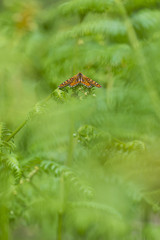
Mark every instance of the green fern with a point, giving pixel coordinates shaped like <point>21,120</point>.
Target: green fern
<point>75,138</point>
<point>146,19</point>
<point>69,174</point>
<point>135,145</point>
<point>96,207</point>
<point>4,134</point>
<point>11,165</point>
<point>83,7</point>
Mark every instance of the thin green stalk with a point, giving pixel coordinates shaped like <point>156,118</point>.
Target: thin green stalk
<point>25,122</point>
<point>61,210</point>
<point>59,230</point>
<point>17,130</point>
<point>4,224</point>
<point>71,142</point>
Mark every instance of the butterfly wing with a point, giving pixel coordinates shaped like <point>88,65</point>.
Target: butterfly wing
<point>85,82</point>
<point>75,81</point>
<point>71,82</point>
<point>66,83</point>
<point>89,82</point>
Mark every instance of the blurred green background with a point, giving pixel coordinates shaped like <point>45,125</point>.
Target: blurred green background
<point>79,163</point>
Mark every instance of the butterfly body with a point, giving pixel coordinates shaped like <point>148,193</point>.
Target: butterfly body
<point>79,79</point>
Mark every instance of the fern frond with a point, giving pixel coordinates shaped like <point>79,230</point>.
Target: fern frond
<point>105,27</point>
<point>118,53</point>
<point>134,6</point>
<point>135,145</point>
<point>12,164</point>
<point>4,131</point>
<point>97,207</point>
<point>83,7</point>
<point>146,19</point>
<point>4,134</point>
<point>111,27</point>
<point>68,174</point>
<point>152,198</point>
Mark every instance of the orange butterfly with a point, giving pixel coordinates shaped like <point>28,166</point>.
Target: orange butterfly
<point>79,79</point>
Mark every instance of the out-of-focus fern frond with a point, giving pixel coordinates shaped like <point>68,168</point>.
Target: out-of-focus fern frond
<point>96,207</point>
<point>135,145</point>
<point>112,27</point>
<point>146,19</point>
<point>83,7</point>
<point>11,164</point>
<point>68,174</point>
<point>4,133</point>
<point>135,5</point>
<point>106,27</point>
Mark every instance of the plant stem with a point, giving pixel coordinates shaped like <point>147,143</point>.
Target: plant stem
<point>17,130</point>
<point>59,230</point>
<point>61,210</point>
<point>4,225</point>
<point>25,122</point>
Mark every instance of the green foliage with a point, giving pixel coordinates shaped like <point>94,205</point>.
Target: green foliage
<point>67,173</point>
<point>4,133</point>
<point>11,165</point>
<point>80,163</point>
